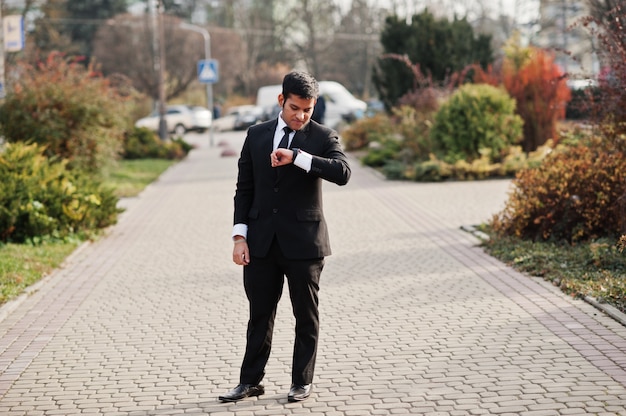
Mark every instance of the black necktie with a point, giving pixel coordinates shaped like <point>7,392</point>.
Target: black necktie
<point>284,142</point>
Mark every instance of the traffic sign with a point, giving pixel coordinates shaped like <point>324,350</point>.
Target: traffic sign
<point>208,71</point>
<point>13,28</point>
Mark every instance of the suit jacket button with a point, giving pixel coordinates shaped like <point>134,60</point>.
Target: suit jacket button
<point>275,189</point>
<point>275,210</point>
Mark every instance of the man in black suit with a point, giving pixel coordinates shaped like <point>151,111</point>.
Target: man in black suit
<point>280,230</point>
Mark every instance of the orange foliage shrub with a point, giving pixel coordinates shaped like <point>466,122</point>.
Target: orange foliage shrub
<point>539,88</point>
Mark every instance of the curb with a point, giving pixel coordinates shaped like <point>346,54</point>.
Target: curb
<point>611,311</point>
<point>599,304</point>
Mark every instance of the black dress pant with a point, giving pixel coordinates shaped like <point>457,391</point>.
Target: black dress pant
<point>263,282</point>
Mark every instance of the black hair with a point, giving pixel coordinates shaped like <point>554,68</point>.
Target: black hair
<point>301,84</point>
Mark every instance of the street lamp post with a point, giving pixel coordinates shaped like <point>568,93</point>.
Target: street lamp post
<point>161,74</point>
<point>207,56</point>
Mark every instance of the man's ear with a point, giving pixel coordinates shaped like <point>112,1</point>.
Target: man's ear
<point>281,100</point>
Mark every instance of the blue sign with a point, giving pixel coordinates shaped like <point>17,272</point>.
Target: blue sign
<point>208,71</point>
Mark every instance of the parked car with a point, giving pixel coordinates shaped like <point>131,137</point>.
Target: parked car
<point>179,119</point>
<point>239,118</point>
<point>247,115</point>
<point>341,105</point>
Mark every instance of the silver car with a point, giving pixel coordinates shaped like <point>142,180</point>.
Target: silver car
<point>239,118</point>
<point>179,119</point>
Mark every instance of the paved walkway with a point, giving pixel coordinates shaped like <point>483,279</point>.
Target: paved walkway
<point>416,319</point>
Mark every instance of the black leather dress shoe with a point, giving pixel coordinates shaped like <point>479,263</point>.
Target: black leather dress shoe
<point>299,392</point>
<point>242,391</point>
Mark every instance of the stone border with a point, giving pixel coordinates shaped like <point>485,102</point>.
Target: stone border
<point>602,306</point>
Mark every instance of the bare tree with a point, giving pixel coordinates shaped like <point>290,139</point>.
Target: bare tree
<point>609,13</point>
<point>48,34</point>
<point>313,23</point>
<point>261,35</point>
<point>229,49</point>
<point>602,9</point>
<point>311,34</point>
<point>124,45</point>
<point>606,25</point>
<point>561,32</point>
<point>354,48</point>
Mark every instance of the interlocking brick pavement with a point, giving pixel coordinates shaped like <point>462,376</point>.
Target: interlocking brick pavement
<point>415,318</point>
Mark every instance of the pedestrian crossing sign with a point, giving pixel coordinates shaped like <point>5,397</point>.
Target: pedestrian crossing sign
<point>208,71</point>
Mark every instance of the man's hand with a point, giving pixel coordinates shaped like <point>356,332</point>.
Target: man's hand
<point>241,254</point>
<point>281,157</point>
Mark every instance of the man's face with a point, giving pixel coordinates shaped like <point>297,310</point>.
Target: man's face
<point>297,111</point>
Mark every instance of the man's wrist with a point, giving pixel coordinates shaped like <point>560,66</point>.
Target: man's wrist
<point>296,151</point>
<point>239,239</point>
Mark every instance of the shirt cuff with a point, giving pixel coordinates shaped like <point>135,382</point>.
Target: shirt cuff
<point>240,229</point>
<point>303,160</point>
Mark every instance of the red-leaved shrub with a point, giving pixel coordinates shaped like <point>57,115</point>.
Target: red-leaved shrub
<point>538,85</point>
<point>576,194</point>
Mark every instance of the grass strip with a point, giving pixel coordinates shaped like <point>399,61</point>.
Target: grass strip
<point>130,177</point>
<point>22,265</point>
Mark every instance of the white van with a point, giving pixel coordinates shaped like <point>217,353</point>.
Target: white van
<point>340,103</point>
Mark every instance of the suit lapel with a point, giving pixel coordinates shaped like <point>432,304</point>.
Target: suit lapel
<point>268,138</point>
<point>300,137</point>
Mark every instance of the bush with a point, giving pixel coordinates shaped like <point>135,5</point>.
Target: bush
<point>476,117</point>
<point>69,109</point>
<point>381,152</point>
<point>365,131</point>
<point>576,194</point>
<point>141,143</point>
<point>40,197</point>
<point>414,125</point>
<point>581,105</point>
<point>394,170</point>
<point>431,171</point>
<point>405,150</point>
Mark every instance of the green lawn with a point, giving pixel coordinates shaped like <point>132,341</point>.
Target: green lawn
<point>130,177</point>
<point>22,265</point>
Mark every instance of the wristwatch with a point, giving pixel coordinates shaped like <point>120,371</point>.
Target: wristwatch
<point>295,154</point>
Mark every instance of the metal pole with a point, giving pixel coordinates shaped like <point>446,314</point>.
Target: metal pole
<point>207,56</point>
<point>161,60</point>
<point>2,85</point>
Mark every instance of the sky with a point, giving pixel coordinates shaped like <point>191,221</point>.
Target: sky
<point>521,10</point>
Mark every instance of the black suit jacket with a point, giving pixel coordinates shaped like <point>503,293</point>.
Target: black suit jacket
<point>286,202</point>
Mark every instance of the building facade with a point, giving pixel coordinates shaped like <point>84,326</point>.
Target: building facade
<point>561,31</point>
